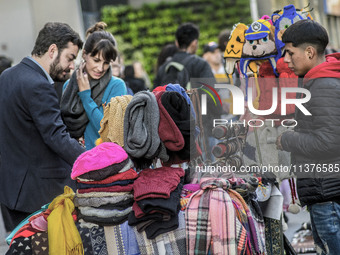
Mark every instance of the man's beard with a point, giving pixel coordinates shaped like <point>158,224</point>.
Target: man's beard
<point>56,71</point>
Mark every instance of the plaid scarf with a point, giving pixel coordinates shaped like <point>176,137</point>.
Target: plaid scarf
<point>244,215</point>
<point>211,219</point>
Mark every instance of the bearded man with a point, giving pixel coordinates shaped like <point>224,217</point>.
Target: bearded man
<point>36,150</point>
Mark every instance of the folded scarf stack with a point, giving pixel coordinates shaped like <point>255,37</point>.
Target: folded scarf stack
<point>170,243</point>
<point>104,178</point>
<point>157,200</point>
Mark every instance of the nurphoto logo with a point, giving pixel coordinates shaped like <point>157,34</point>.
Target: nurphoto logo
<point>239,104</point>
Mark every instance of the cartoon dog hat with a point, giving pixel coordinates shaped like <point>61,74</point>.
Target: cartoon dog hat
<point>258,30</point>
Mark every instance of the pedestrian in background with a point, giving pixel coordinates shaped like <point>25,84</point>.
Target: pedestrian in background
<point>166,54</point>
<point>5,63</point>
<point>187,35</point>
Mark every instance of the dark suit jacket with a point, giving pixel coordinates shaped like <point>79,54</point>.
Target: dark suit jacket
<point>36,151</point>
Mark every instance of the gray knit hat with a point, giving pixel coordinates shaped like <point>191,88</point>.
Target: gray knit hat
<point>141,120</point>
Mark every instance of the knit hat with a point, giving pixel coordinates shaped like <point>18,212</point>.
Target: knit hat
<point>160,88</point>
<point>168,132</point>
<point>170,206</point>
<point>141,138</point>
<point>112,124</point>
<point>282,20</point>
<point>233,50</point>
<point>177,107</point>
<point>178,88</point>
<point>235,43</point>
<point>110,170</point>
<point>99,157</point>
<point>258,30</point>
<point>210,47</point>
<point>157,183</point>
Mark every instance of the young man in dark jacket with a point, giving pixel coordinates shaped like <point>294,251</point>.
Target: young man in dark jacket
<point>315,142</point>
<point>36,150</point>
<point>187,36</point>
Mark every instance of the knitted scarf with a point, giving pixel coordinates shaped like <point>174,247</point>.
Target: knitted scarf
<point>112,124</point>
<point>102,194</point>
<point>102,213</point>
<point>63,235</point>
<point>99,201</point>
<point>80,185</point>
<point>211,220</point>
<point>72,108</point>
<point>141,139</point>
<point>116,188</point>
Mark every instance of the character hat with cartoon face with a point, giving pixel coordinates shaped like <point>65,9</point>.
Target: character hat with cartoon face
<point>258,30</point>
<point>259,45</point>
<point>233,50</point>
<point>282,21</point>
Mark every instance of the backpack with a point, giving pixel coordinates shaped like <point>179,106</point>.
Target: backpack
<point>176,73</point>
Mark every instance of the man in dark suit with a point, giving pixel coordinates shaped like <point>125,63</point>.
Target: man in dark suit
<point>36,150</point>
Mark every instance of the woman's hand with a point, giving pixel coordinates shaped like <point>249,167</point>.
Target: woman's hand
<point>82,78</point>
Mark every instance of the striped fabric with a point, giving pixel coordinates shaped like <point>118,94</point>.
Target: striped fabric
<point>170,243</point>
<point>256,244</point>
<point>211,220</point>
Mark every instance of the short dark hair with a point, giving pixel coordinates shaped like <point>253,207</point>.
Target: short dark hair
<point>186,33</point>
<point>5,63</point>
<point>55,33</point>
<point>99,40</point>
<point>129,71</point>
<point>223,38</point>
<point>167,51</point>
<point>307,32</point>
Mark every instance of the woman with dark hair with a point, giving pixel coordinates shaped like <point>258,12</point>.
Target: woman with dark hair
<point>134,83</point>
<point>91,86</point>
<point>166,53</point>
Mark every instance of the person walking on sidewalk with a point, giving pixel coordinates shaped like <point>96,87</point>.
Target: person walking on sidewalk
<point>187,35</point>
<point>36,150</point>
<point>315,141</point>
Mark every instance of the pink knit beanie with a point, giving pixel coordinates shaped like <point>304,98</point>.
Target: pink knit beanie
<point>101,156</point>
